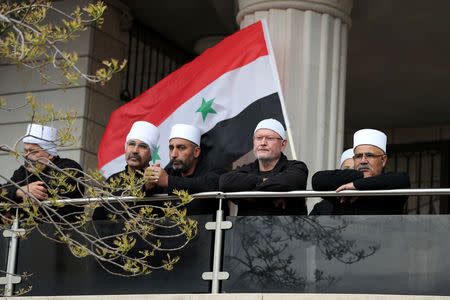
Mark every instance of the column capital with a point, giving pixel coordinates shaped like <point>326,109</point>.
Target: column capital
<point>337,8</point>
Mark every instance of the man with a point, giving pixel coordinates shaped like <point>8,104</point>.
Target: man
<point>140,144</point>
<point>347,160</point>
<point>325,207</point>
<point>271,171</point>
<point>35,179</point>
<point>370,158</point>
<point>186,170</point>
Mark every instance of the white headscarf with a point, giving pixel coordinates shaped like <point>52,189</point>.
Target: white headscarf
<point>146,132</point>
<point>44,136</point>
<point>187,132</point>
<point>370,137</point>
<point>271,124</point>
<point>346,155</point>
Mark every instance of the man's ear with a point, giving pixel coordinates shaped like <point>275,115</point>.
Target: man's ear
<point>283,145</point>
<point>384,160</point>
<point>197,151</point>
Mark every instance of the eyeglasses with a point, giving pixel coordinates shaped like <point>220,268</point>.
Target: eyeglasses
<point>142,146</point>
<point>368,155</point>
<point>270,139</point>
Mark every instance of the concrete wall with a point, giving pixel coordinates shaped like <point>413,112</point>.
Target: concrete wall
<point>107,42</point>
<point>93,103</point>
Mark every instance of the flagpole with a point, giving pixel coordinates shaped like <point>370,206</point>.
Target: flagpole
<point>291,143</point>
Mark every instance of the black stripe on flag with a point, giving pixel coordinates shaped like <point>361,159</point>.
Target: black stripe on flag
<point>232,138</point>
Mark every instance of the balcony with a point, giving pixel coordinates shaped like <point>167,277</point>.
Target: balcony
<point>372,254</point>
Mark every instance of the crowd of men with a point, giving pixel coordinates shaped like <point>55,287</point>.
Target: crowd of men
<point>361,168</point>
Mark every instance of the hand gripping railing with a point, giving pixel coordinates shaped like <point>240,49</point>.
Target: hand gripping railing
<point>218,226</point>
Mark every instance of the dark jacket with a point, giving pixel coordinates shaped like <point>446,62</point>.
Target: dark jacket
<point>202,180</point>
<point>119,191</point>
<point>22,177</point>
<point>287,175</point>
<point>332,179</point>
<point>101,213</point>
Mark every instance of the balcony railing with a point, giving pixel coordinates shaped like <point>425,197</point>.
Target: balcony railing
<point>404,254</point>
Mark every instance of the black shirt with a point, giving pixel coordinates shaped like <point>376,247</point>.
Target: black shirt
<point>287,175</point>
<point>330,180</point>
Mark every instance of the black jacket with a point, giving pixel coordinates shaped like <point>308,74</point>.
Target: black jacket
<point>101,213</point>
<point>119,191</point>
<point>287,175</point>
<point>332,179</point>
<point>202,180</point>
<point>22,177</point>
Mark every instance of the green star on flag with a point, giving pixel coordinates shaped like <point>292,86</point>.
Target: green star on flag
<point>155,155</point>
<point>205,108</point>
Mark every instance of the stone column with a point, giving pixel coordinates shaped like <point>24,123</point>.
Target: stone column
<point>309,38</point>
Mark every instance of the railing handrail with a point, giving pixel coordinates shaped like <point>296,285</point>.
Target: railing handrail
<point>249,194</point>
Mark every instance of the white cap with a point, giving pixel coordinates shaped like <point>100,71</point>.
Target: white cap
<point>370,137</point>
<point>272,124</point>
<point>146,132</point>
<point>187,132</point>
<point>346,155</point>
<point>44,136</point>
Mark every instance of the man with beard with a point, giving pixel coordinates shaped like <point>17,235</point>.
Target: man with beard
<point>370,157</point>
<point>36,179</point>
<point>140,145</point>
<point>185,170</point>
<point>271,171</point>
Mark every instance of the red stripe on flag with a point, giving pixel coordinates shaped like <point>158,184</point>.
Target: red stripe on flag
<point>159,102</point>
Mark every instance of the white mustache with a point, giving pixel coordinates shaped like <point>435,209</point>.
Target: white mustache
<point>364,166</point>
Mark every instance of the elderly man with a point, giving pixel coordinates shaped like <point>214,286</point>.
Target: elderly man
<point>185,170</point>
<point>35,178</point>
<point>370,157</point>
<point>140,144</point>
<point>325,207</point>
<point>347,160</point>
<point>271,171</point>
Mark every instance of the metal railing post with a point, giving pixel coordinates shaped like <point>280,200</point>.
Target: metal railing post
<point>10,279</point>
<point>217,226</point>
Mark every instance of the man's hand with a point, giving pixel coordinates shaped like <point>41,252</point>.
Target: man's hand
<point>36,189</point>
<point>347,186</point>
<point>158,175</point>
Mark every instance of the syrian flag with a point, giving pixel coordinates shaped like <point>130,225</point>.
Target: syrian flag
<point>225,92</point>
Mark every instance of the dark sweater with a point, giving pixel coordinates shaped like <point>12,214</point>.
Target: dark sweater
<point>202,180</point>
<point>287,175</point>
<point>332,179</point>
<point>23,177</point>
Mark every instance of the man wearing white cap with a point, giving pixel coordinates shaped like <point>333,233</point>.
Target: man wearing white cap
<point>370,158</point>
<point>140,145</point>
<point>347,160</point>
<point>271,171</point>
<point>34,177</point>
<point>185,170</point>
<point>325,207</point>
